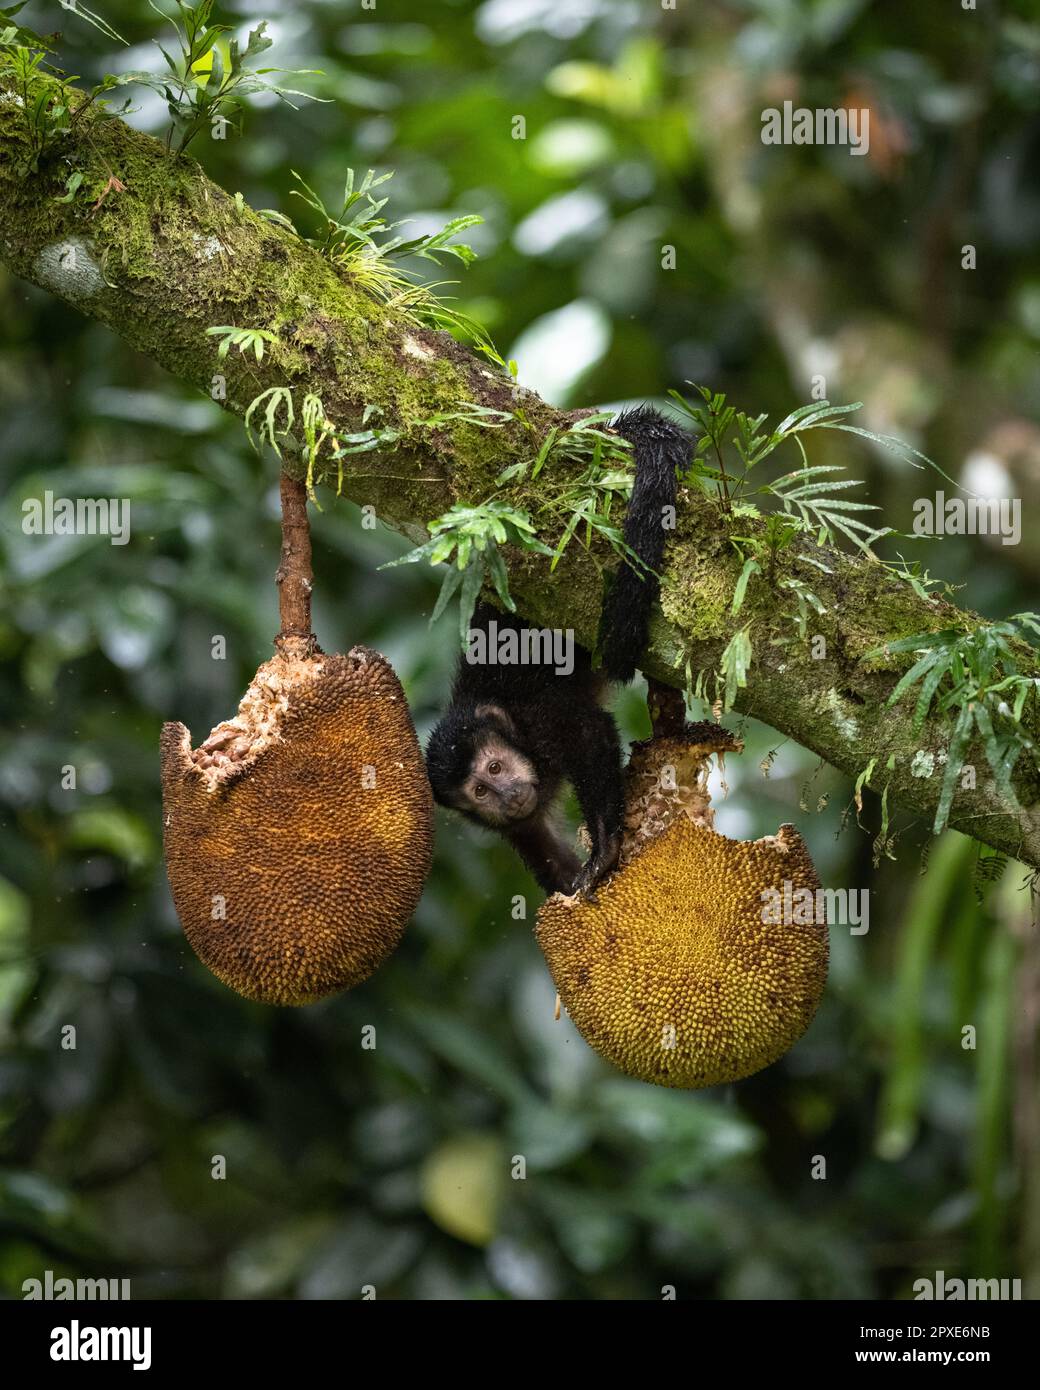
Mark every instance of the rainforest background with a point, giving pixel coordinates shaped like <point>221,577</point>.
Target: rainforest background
<point>391,1167</point>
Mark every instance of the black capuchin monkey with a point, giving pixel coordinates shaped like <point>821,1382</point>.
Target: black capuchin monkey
<point>514,734</point>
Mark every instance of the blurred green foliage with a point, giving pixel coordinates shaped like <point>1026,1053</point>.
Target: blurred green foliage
<point>395,1166</point>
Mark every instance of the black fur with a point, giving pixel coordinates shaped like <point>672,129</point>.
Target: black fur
<point>660,447</point>
<point>556,721</point>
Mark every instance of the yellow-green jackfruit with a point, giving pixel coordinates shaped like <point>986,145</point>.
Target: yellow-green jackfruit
<point>689,969</point>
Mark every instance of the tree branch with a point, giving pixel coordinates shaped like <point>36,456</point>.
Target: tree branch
<point>158,252</point>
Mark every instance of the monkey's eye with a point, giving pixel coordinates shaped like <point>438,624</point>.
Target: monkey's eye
<point>480,790</point>
<point>494,768</point>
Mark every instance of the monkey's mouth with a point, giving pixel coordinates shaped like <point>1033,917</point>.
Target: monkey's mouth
<point>519,809</point>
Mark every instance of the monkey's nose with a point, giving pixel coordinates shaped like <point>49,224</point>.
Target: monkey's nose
<point>522,799</point>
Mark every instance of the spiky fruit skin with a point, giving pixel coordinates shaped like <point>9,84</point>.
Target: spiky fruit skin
<point>672,974</point>
<point>315,852</point>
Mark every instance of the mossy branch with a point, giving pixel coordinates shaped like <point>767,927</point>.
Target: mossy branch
<point>158,252</point>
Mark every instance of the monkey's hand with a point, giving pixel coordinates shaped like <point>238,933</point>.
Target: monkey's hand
<point>544,851</point>
<point>600,863</point>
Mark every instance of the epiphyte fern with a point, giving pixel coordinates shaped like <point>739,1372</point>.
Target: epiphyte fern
<point>468,539</point>
<point>973,678</point>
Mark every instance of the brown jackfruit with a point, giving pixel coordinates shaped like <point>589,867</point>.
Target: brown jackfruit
<point>298,836</point>
<point>675,973</point>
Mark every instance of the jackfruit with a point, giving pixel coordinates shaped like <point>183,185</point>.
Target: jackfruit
<point>298,836</point>
<point>688,969</point>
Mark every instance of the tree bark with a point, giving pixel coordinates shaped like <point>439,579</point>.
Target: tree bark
<point>158,252</point>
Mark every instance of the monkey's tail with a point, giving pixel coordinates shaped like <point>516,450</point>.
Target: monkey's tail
<point>660,447</point>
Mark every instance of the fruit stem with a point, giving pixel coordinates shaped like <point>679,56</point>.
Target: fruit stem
<point>295,576</point>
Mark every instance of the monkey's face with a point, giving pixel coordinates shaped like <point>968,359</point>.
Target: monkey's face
<point>502,785</point>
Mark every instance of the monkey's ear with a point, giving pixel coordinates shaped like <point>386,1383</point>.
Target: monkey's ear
<point>498,714</point>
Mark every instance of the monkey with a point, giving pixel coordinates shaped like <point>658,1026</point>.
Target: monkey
<point>514,733</point>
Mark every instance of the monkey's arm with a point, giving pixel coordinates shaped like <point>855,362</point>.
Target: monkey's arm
<point>553,863</point>
<point>593,767</point>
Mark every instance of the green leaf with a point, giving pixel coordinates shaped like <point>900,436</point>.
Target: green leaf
<point>572,525</point>
<point>896,446</point>
<point>543,452</point>
<point>497,568</point>
<point>929,686</point>
<point>412,556</point>
<point>914,674</point>
<point>441,547</point>
<point>734,664</point>
<point>958,745</point>
<point>751,566</point>
<point>807,416</point>
<point>798,475</point>
<point>74,7</point>
<point>918,642</point>
<point>1030,620</point>
<point>995,755</point>
<point>472,580</point>
<point>452,580</point>
<point>72,186</point>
